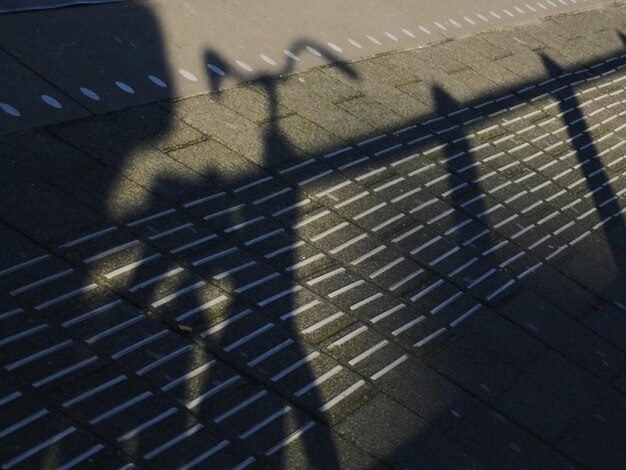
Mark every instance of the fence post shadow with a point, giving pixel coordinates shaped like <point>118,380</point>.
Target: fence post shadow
<point>317,441</point>
<point>472,229</point>
<point>605,201</point>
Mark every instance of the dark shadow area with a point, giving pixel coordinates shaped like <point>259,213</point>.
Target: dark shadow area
<point>23,5</point>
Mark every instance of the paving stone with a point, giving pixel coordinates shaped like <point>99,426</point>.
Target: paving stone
<point>461,360</point>
<point>44,155</point>
<point>475,82</point>
<point>233,130</point>
<point>423,245</point>
<point>600,443</point>
<point>525,65</point>
<point>602,280</point>
<point>386,70</point>
<point>305,135</point>
<point>557,376</point>
<point>391,97</point>
<point>214,161</point>
<point>251,102</point>
<point>122,151</point>
<point>371,112</point>
<point>128,202</point>
<point>437,400</point>
<point>17,249</point>
<point>335,451</point>
<point>324,85</point>
<point>438,56</point>
<point>563,334</point>
<point>605,320</point>
<point>313,105</point>
<point>537,411</point>
<point>484,47</point>
<point>22,194</point>
<point>510,446</point>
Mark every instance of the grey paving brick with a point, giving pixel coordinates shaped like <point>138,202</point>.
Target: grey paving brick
<point>487,49</point>
<point>17,249</point>
<point>440,58</point>
<point>302,134</point>
<point>315,106</point>
<point>511,444</point>
<point>563,334</point>
<point>127,203</point>
<point>461,360</point>
<point>215,161</point>
<point>606,320</point>
<point>324,85</point>
<point>44,155</point>
<point>561,291</point>
<point>470,54</point>
<point>391,97</point>
<point>537,411</point>
<point>406,443</point>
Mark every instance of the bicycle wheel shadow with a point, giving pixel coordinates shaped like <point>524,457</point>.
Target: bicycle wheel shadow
<point>236,273</point>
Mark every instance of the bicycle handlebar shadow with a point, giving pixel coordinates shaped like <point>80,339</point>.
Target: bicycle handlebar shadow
<point>276,143</point>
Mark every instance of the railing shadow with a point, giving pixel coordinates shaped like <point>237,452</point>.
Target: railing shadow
<point>605,201</point>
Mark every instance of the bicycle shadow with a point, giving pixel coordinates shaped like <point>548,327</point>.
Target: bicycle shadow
<point>221,262</point>
<point>130,183</point>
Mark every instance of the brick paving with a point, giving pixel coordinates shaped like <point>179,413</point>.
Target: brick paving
<point>415,260</point>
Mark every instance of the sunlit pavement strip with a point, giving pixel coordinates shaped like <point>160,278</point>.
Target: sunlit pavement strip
<point>445,288</point>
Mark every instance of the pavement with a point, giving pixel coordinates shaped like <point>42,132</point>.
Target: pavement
<point>412,260</point>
